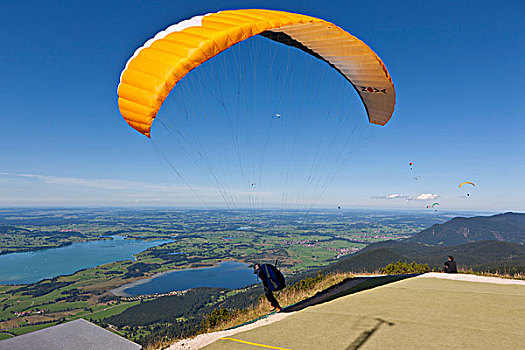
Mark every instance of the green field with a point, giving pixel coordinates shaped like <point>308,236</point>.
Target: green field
<point>5,336</point>
<point>107,311</point>
<point>30,328</point>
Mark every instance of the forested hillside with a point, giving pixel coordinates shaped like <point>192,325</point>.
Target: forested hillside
<point>481,256</point>
<point>179,315</point>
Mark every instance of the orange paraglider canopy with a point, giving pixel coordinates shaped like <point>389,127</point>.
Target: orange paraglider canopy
<point>164,60</point>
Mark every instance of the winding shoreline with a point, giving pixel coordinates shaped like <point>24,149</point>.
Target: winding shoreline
<point>34,258</point>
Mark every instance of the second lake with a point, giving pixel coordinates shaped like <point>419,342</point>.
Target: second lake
<point>229,274</point>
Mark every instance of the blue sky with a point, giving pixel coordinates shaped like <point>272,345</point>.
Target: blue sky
<point>457,67</point>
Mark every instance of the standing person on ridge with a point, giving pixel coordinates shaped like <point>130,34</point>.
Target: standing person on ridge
<point>272,280</point>
<point>450,265</point>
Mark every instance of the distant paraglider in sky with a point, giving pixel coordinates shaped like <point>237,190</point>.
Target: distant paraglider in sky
<point>467,187</point>
<point>411,166</point>
<point>432,206</point>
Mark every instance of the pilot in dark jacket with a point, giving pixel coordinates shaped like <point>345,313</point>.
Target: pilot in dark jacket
<point>450,265</point>
<point>264,272</point>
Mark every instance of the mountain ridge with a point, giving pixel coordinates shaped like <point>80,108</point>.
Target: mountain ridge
<point>508,227</point>
<point>492,243</point>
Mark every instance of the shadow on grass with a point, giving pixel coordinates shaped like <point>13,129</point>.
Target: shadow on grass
<point>363,337</point>
<point>346,287</point>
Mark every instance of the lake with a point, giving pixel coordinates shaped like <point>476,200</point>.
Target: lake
<point>229,274</point>
<point>30,267</point>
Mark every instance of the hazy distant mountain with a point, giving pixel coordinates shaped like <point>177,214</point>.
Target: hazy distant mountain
<point>494,243</point>
<point>508,227</point>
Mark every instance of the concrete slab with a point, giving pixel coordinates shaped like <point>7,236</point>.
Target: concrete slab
<point>79,335</point>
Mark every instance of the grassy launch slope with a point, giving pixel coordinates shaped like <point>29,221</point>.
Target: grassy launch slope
<point>415,313</point>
